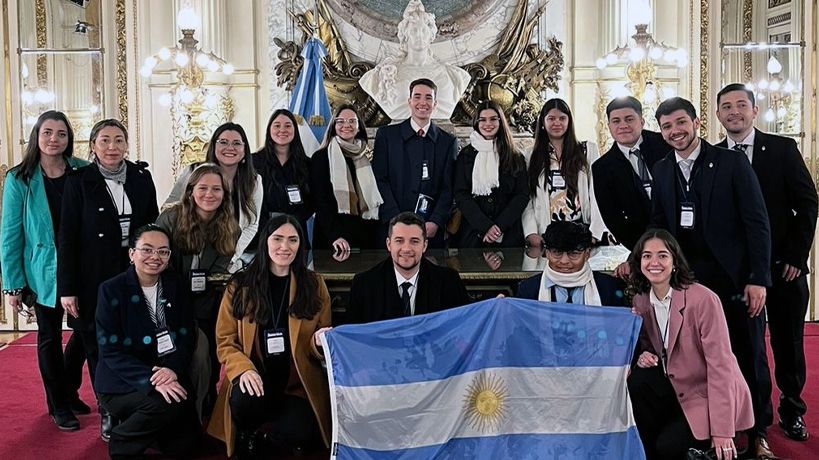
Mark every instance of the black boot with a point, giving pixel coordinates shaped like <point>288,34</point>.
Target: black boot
<point>246,446</point>
<point>106,424</point>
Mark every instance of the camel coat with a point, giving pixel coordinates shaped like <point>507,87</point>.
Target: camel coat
<point>234,343</point>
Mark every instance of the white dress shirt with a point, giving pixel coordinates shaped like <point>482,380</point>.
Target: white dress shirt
<point>662,308</point>
<point>693,157</point>
<point>749,145</point>
<point>416,126</point>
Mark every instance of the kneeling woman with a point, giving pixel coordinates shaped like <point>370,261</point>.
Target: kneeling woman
<point>267,336</point>
<point>686,388</point>
<point>144,327</point>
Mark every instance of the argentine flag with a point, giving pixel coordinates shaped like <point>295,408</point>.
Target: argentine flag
<point>499,379</point>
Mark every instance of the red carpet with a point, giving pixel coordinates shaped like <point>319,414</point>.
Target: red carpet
<point>26,431</point>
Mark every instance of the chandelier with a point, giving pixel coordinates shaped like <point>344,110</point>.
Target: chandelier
<point>197,105</point>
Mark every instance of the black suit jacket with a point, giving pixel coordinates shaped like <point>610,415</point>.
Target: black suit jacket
<point>609,288</point>
<point>127,336</point>
<point>790,197</point>
<point>400,188</point>
<point>733,216</point>
<point>90,249</point>
<point>374,293</point>
<point>623,202</point>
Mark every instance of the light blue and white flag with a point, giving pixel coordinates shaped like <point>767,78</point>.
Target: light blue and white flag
<point>309,99</point>
<point>499,379</point>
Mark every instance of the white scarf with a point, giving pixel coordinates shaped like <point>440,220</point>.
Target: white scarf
<point>370,199</point>
<point>542,201</point>
<point>584,278</point>
<point>485,171</point>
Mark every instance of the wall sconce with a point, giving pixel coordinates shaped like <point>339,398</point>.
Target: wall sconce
<point>82,27</point>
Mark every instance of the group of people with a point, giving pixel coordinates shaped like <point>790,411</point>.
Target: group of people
<point>730,225</point>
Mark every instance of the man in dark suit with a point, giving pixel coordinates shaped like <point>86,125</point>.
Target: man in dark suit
<point>790,198</point>
<point>710,200</point>
<point>622,177</point>
<point>568,278</point>
<point>405,284</point>
<point>412,163</point>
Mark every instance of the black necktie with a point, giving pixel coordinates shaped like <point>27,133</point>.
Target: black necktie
<point>569,292</point>
<point>642,169</point>
<point>740,147</point>
<point>405,297</point>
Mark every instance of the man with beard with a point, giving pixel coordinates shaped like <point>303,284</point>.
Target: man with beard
<point>709,199</point>
<point>404,284</point>
<point>412,163</point>
<point>790,198</point>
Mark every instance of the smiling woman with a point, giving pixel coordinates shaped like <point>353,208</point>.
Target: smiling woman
<point>270,321</point>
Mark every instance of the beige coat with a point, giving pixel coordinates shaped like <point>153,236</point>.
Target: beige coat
<point>234,343</point>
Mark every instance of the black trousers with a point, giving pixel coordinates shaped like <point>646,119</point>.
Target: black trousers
<point>150,421</point>
<point>61,371</point>
<point>208,327</point>
<point>787,306</point>
<point>292,418</point>
<point>87,342</point>
<point>660,420</point>
<point>747,337</point>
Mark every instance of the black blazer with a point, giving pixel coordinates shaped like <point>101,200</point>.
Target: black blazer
<point>399,187</point>
<point>90,249</point>
<point>623,202</point>
<point>790,197</point>
<point>609,288</point>
<point>330,225</point>
<point>733,215</point>
<point>127,336</point>
<point>503,207</point>
<point>374,293</point>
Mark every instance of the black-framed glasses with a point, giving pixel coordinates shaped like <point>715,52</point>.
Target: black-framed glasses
<point>225,143</point>
<point>557,255</point>
<point>148,252</point>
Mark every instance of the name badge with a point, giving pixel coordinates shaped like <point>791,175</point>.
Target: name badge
<point>293,194</point>
<point>125,226</point>
<point>274,340</point>
<point>423,205</point>
<point>425,170</point>
<point>687,215</point>
<point>164,343</point>
<point>557,180</point>
<point>199,280</point>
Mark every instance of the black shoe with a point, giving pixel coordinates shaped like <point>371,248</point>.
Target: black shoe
<point>106,425</point>
<point>66,421</point>
<point>795,428</point>
<point>79,407</point>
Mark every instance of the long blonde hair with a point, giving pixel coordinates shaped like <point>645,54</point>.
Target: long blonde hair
<point>192,234</point>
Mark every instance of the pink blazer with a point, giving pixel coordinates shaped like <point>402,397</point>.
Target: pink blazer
<point>703,371</point>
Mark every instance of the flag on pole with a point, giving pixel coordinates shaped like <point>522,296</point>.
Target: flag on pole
<point>309,99</point>
<point>502,378</point>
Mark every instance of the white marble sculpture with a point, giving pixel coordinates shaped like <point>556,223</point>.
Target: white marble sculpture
<point>388,83</point>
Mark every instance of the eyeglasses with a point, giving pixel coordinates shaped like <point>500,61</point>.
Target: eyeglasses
<point>148,252</point>
<point>225,143</point>
<point>346,121</point>
<point>557,255</point>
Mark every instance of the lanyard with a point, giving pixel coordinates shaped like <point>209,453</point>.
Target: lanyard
<point>121,211</point>
<point>157,317</point>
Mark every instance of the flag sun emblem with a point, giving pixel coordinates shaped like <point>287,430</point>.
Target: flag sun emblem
<point>485,402</point>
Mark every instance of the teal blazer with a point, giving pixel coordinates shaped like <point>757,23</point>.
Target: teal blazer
<point>28,253</point>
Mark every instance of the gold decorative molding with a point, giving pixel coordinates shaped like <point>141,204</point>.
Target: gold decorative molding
<point>137,86</point>
<point>41,23</point>
<point>7,85</point>
<point>747,35</point>
<point>122,65</point>
<point>603,96</point>
<point>704,60</point>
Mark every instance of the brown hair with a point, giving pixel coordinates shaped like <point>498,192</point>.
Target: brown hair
<point>192,234</point>
<point>681,275</point>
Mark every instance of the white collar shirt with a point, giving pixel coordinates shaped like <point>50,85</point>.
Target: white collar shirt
<point>662,307</point>
<point>413,289</point>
